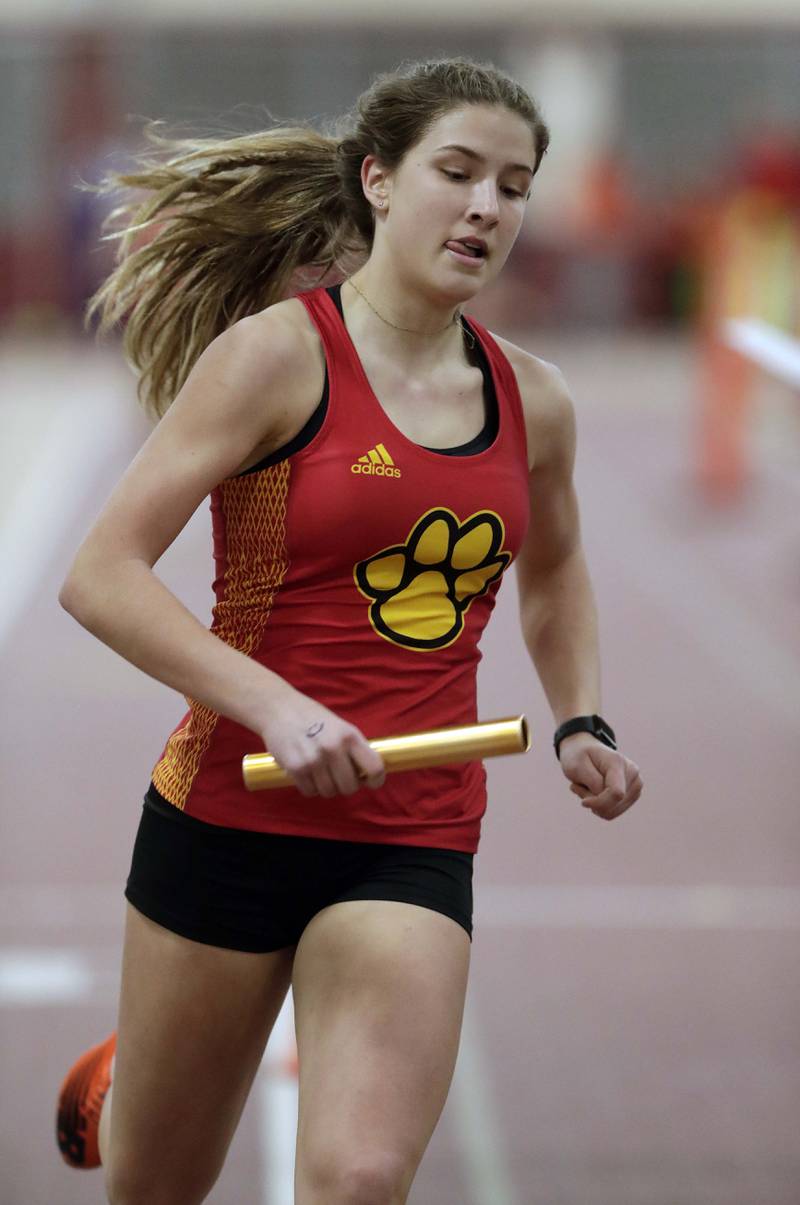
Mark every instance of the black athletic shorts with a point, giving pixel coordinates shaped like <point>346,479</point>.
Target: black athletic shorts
<point>257,891</point>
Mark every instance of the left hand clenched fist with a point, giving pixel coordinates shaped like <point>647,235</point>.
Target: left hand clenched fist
<point>602,778</point>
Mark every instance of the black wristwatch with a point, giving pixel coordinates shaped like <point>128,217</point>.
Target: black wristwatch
<point>586,723</point>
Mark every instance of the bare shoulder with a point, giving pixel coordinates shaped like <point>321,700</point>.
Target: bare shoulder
<point>546,403</point>
<point>285,324</point>
<point>281,346</point>
<point>275,358</point>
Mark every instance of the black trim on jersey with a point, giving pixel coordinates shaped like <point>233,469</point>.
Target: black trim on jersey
<point>303,436</point>
<point>479,443</point>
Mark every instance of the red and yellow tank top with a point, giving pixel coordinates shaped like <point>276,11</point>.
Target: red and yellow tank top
<point>362,568</point>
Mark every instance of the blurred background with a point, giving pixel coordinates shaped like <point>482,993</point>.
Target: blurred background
<point>632,1033</point>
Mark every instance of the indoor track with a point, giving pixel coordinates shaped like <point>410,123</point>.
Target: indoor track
<point>632,1033</point>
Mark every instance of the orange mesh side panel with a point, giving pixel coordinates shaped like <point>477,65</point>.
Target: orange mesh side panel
<point>254,508</point>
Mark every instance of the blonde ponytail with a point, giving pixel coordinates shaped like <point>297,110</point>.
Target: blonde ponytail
<point>227,226</point>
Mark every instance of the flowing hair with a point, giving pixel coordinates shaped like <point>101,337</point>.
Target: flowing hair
<point>230,226</point>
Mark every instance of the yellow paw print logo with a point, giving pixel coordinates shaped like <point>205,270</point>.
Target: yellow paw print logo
<point>420,591</point>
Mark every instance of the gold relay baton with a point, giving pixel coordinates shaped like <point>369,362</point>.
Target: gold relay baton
<point>469,742</point>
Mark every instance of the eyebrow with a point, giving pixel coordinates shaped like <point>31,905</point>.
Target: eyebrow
<point>465,150</point>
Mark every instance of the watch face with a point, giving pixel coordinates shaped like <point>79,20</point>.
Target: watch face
<point>606,734</point>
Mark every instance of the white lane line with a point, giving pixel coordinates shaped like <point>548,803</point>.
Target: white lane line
<point>276,1089</point>
<point>704,906</point>
<point>29,977</point>
<point>55,906</point>
<point>474,1111</point>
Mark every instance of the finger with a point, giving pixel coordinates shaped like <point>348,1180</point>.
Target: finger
<point>369,765</point>
<point>602,807</point>
<point>623,807</point>
<point>324,780</point>
<point>636,786</point>
<point>303,779</point>
<point>596,774</point>
<point>345,773</point>
<point>606,801</point>
<point>631,795</point>
<point>614,787</point>
<point>607,813</point>
<point>618,777</point>
<point>609,801</point>
<point>593,777</point>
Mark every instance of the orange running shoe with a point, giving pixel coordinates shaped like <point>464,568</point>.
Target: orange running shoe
<point>79,1103</point>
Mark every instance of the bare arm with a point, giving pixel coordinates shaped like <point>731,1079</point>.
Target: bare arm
<point>557,606</point>
<point>220,415</point>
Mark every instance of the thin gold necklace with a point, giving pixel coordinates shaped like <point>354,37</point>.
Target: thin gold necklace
<point>456,320</point>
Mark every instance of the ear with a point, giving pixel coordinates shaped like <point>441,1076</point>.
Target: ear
<point>376,182</point>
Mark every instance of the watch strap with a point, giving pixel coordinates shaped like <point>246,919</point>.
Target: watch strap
<point>595,724</point>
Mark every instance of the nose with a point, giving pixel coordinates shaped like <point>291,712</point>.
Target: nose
<point>484,202</point>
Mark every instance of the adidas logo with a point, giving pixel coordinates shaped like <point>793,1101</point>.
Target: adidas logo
<point>376,463</point>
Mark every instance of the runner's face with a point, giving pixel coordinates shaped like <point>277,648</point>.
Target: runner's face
<point>440,195</point>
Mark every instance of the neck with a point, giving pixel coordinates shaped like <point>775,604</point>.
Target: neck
<point>414,328</point>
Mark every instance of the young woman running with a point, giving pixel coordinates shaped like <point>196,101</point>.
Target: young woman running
<point>376,460</point>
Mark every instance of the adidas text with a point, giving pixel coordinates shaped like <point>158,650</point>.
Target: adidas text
<point>375,470</point>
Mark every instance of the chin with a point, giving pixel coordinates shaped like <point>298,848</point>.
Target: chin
<point>467,291</point>
<point>447,286</point>
<point>456,287</point>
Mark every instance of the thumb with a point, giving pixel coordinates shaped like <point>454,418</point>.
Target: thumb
<point>583,771</point>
